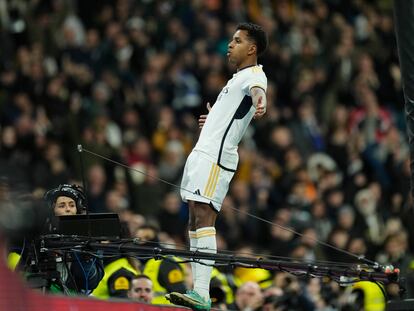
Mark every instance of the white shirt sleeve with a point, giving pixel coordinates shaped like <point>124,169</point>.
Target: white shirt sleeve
<point>255,79</point>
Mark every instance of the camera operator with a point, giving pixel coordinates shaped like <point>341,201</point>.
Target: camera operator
<point>79,273</point>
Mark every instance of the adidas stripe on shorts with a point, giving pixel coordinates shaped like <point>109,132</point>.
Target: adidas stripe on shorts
<point>204,181</point>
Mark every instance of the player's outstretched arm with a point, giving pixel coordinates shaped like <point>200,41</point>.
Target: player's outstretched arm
<point>259,101</point>
<point>203,117</point>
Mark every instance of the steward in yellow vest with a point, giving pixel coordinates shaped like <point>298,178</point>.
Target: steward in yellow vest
<point>13,260</point>
<point>370,295</point>
<point>117,279</point>
<point>220,289</point>
<point>167,275</point>
<point>261,276</point>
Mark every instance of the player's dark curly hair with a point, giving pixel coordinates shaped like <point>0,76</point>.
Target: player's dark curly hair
<point>255,33</point>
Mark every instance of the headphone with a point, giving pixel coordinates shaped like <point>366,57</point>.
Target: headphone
<point>73,191</point>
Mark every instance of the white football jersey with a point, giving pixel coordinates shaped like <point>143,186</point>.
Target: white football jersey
<point>230,116</point>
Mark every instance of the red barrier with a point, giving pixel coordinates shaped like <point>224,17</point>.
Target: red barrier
<point>15,296</point>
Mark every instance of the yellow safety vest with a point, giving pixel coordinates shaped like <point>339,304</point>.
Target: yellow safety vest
<point>102,291</point>
<point>224,285</point>
<point>373,297</point>
<point>152,269</point>
<point>13,260</point>
<point>261,276</point>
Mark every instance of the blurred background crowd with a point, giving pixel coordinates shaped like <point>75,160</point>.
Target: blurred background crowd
<point>128,80</point>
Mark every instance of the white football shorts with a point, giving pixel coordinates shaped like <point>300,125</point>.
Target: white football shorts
<point>204,181</point>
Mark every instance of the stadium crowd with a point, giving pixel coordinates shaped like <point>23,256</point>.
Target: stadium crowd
<point>128,79</point>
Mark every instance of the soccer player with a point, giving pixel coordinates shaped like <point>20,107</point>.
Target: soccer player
<point>213,161</point>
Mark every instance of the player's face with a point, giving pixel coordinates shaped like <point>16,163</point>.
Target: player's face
<point>240,48</point>
<point>65,206</point>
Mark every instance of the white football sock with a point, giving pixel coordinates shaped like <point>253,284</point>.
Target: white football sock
<point>192,235</point>
<point>206,243</point>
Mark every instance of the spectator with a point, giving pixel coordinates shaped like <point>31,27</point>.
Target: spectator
<point>248,297</point>
<point>97,186</point>
<point>396,253</point>
<point>51,168</point>
<point>306,129</point>
<point>171,218</point>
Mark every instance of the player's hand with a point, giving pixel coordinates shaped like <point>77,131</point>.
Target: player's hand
<point>260,109</point>
<point>203,117</point>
